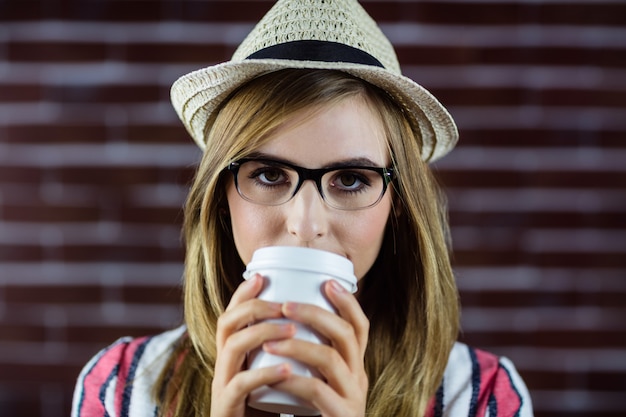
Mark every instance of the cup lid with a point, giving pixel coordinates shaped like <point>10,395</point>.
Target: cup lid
<point>304,259</point>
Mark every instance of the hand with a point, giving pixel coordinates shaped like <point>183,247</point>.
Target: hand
<point>237,334</point>
<point>344,393</point>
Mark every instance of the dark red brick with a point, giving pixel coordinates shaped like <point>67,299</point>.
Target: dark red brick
<point>57,51</point>
<point>53,294</point>
<point>160,295</point>
<point>56,133</point>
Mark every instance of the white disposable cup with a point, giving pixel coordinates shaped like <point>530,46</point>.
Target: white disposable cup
<point>294,274</point>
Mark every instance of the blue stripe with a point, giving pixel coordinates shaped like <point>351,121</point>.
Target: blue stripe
<point>439,402</point>
<point>96,360</point>
<point>473,407</point>
<point>103,388</point>
<point>493,406</point>
<point>128,388</point>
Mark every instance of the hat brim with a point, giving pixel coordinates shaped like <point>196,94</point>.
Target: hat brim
<point>195,96</point>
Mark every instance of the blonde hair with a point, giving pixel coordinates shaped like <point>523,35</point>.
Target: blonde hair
<point>409,295</point>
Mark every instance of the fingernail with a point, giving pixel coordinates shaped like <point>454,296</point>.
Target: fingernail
<point>287,328</point>
<point>282,369</point>
<point>254,280</point>
<point>276,307</point>
<point>289,307</point>
<point>270,346</point>
<point>337,287</point>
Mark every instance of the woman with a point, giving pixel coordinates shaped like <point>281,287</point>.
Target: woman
<point>315,86</point>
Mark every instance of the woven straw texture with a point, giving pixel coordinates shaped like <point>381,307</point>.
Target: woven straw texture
<point>196,95</point>
<point>342,21</point>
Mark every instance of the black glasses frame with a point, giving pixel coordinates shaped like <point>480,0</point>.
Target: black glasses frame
<point>315,175</point>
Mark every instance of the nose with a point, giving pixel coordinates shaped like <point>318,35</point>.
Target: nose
<point>307,215</point>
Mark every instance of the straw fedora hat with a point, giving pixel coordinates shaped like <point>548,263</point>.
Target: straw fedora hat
<point>315,34</point>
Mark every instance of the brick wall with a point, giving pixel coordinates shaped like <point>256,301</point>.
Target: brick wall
<point>94,167</point>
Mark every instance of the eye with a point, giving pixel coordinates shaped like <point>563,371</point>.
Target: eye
<point>269,176</point>
<point>349,181</point>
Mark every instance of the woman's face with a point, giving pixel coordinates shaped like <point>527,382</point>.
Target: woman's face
<point>345,133</point>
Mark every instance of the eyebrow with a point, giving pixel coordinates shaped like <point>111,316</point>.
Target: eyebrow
<point>348,162</point>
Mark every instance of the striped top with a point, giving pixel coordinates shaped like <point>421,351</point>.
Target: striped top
<point>119,380</point>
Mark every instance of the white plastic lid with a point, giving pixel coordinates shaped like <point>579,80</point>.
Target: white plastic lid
<point>303,259</point>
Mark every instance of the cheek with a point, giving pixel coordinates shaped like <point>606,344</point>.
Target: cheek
<point>367,236</point>
<point>240,220</point>
<point>250,224</point>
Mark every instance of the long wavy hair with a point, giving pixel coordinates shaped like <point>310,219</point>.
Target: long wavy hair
<point>409,294</point>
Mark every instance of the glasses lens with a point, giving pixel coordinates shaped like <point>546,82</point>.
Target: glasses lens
<point>350,189</point>
<point>272,183</point>
<point>265,182</point>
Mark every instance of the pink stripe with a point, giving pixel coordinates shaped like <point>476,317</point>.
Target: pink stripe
<point>488,364</point>
<point>97,376</point>
<point>430,408</point>
<point>507,397</point>
<point>122,376</point>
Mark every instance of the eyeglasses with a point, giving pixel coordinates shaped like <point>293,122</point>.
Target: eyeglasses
<point>271,183</point>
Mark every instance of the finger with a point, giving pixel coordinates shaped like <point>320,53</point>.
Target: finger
<point>244,309</point>
<point>350,310</point>
<point>337,330</point>
<point>247,313</point>
<point>246,291</point>
<point>321,357</point>
<point>233,354</point>
<point>322,396</point>
<point>233,394</point>
<point>254,336</point>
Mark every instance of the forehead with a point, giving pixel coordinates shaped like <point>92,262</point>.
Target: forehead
<point>320,136</point>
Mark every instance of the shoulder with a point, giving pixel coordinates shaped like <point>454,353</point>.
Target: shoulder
<point>479,383</point>
<point>118,380</point>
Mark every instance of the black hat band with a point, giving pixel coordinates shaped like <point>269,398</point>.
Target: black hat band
<point>314,50</point>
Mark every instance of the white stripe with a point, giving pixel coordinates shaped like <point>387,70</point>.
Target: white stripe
<point>89,114</point>
<point>106,314</point>
<point>109,397</point>
<point>551,280</point>
<point>533,77</point>
<point>533,319</point>
<point>536,159</point>
<point>531,240</point>
<point>47,353</point>
<point>95,273</point>
<point>158,195</point>
<point>457,382</point>
<point>93,74</point>
<point>100,233</point>
<point>574,240</point>
<point>518,2</point>
<point>511,36</point>
<point>520,200</point>
<point>534,116</point>
<point>577,401</point>
<point>150,366</point>
<point>576,77</point>
<point>161,194</point>
<point>400,34</point>
<point>565,360</point>
<point>99,155</point>
<point>158,33</point>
